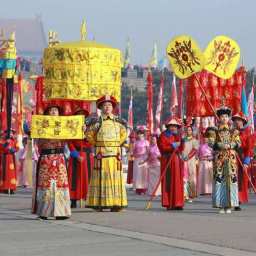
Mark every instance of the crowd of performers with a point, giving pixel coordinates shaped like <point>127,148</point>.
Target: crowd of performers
<point>217,161</point>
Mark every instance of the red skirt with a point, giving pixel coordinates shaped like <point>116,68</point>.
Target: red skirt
<point>130,172</point>
<point>172,183</point>
<point>243,182</point>
<point>253,173</point>
<point>79,173</point>
<point>8,178</point>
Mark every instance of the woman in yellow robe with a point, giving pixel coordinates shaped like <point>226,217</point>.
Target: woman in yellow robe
<point>107,134</point>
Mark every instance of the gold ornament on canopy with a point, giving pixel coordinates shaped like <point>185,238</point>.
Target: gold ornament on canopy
<point>222,56</point>
<point>7,55</point>
<point>7,46</point>
<point>185,56</point>
<point>83,31</point>
<point>83,70</point>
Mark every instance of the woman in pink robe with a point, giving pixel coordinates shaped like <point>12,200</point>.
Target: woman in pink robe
<point>205,167</point>
<point>188,156</point>
<point>22,176</point>
<point>153,164</point>
<point>140,169</point>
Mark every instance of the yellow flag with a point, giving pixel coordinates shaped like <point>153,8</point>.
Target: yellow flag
<point>185,56</point>
<point>222,56</point>
<point>57,127</point>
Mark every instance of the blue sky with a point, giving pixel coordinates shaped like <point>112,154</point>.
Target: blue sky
<point>145,21</point>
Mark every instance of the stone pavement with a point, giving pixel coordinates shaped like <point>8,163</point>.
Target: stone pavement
<point>198,230</point>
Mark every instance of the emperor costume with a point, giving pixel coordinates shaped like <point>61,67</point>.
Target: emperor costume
<point>107,187</point>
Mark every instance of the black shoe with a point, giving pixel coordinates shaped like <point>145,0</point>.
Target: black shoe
<point>98,209</point>
<point>238,208</point>
<point>61,217</point>
<point>11,191</point>
<point>73,203</point>
<point>178,208</point>
<point>42,218</point>
<point>116,209</point>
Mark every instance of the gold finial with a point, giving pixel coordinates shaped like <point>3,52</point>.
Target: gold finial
<point>2,38</point>
<point>12,37</point>
<point>83,31</point>
<point>8,46</point>
<point>2,35</point>
<point>52,38</point>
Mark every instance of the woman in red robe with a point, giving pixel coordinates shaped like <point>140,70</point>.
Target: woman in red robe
<point>170,146</point>
<point>8,180</point>
<point>80,167</point>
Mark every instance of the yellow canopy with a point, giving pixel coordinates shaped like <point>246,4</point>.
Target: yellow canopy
<point>82,70</point>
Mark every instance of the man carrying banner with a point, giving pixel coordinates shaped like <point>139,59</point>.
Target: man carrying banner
<point>107,134</point>
<point>52,190</point>
<point>169,144</point>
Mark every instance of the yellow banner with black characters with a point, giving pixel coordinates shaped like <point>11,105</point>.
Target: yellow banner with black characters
<point>82,71</point>
<point>57,127</point>
<point>185,56</point>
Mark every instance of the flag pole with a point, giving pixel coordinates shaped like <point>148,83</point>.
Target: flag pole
<point>206,97</point>
<point>149,203</point>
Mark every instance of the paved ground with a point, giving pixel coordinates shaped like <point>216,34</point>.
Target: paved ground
<point>198,230</point>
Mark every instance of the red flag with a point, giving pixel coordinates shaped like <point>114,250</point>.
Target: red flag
<point>150,125</point>
<point>251,109</point>
<point>219,91</point>
<point>39,95</point>
<point>130,113</point>
<point>19,106</point>
<point>174,98</point>
<point>159,107</point>
<point>3,110</point>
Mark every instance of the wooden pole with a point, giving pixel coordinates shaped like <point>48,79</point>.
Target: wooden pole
<point>149,203</point>
<point>204,93</point>
<point>245,171</point>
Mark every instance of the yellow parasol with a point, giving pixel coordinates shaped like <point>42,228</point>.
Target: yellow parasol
<point>82,70</point>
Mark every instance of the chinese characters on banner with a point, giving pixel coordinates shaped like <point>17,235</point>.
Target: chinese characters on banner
<point>222,56</point>
<point>185,56</point>
<point>82,71</point>
<point>57,127</point>
<point>68,106</point>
